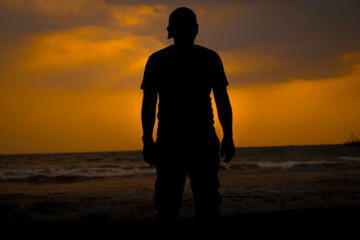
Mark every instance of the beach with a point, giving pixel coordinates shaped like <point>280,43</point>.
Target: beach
<point>289,186</point>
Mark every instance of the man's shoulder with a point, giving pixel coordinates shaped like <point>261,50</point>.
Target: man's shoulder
<point>206,52</point>
<point>169,50</point>
<point>161,53</point>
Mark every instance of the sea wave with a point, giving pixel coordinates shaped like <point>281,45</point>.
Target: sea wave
<point>70,175</point>
<point>350,158</point>
<point>291,164</point>
<point>42,175</point>
<point>258,165</point>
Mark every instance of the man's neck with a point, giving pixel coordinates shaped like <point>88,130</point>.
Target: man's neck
<point>182,43</point>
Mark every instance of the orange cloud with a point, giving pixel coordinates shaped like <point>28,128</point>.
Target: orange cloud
<point>131,15</point>
<point>110,55</point>
<point>237,62</point>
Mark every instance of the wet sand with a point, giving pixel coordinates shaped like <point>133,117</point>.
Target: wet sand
<point>302,223</point>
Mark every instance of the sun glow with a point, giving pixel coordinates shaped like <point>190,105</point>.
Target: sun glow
<point>71,73</point>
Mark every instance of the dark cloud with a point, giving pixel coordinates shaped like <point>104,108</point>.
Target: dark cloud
<point>17,22</point>
<point>35,21</point>
<point>301,27</point>
<point>293,68</point>
<point>311,35</point>
<point>169,2</point>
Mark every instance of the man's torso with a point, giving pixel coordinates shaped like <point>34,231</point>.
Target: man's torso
<point>184,79</point>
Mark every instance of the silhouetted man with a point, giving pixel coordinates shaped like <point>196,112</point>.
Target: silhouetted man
<point>182,76</point>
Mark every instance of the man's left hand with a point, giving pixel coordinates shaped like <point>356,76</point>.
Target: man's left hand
<point>227,149</point>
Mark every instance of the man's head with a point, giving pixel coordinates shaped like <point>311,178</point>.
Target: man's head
<point>183,26</point>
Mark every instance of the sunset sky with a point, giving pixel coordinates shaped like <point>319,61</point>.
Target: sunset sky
<point>70,70</point>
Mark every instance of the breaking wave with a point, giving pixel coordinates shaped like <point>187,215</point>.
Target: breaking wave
<point>70,175</point>
<point>246,165</point>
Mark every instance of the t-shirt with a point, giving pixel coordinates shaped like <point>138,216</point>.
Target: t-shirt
<point>183,79</point>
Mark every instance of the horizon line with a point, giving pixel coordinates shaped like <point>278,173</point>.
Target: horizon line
<point>139,150</point>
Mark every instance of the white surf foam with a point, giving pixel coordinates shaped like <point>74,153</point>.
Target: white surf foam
<point>291,164</point>
<point>74,172</point>
<point>350,158</point>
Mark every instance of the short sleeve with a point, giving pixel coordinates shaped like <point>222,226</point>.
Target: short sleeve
<point>219,77</point>
<point>149,75</point>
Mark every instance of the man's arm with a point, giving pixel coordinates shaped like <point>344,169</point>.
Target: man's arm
<point>225,116</point>
<point>148,115</point>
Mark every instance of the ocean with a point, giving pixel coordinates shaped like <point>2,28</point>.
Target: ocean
<point>119,186</point>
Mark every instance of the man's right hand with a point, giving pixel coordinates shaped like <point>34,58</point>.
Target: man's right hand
<point>149,152</point>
